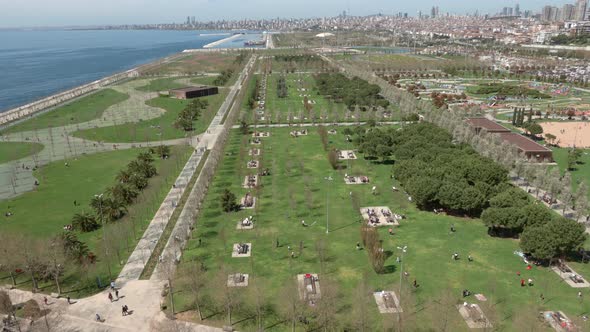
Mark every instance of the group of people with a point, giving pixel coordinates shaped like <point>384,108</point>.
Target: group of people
<point>253,163</point>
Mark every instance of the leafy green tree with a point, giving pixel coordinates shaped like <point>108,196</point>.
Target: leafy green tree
<point>228,201</point>
<point>73,247</point>
<point>144,168</point>
<point>123,193</point>
<point>85,222</point>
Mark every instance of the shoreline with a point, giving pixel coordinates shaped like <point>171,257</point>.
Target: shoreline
<point>221,41</point>
<point>34,108</point>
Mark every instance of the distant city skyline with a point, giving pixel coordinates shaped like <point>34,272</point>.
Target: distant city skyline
<point>38,13</point>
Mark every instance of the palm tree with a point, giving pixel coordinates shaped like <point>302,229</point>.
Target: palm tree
<point>85,222</point>
<point>145,168</point>
<point>113,209</point>
<point>124,176</point>
<point>138,181</point>
<point>123,193</point>
<point>145,157</point>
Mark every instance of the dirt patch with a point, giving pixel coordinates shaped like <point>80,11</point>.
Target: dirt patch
<point>569,134</point>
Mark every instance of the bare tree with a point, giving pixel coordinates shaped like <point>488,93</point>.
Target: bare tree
<point>55,260</point>
<point>9,259</point>
<point>581,200</point>
<point>290,305</point>
<point>194,277</point>
<point>360,316</point>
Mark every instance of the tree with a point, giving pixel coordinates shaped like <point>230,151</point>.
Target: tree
<point>550,138</point>
<point>123,193</point>
<point>145,157</point>
<point>6,306</point>
<point>85,222</point>
<point>333,158</point>
<point>228,201</point>
<point>9,259</point>
<point>244,127</point>
<point>323,136</point>
<point>31,309</point>
<point>162,151</point>
<point>142,167</point>
<point>560,237</point>
<point>195,278</point>
<point>581,200</point>
<point>566,194</point>
<point>75,249</point>
<point>55,260</point>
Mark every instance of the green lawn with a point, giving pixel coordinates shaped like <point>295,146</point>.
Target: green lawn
<point>297,190</point>
<point>582,171</point>
<point>161,128</point>
<point>81,110</point>
<point>10,151</point>
<point>205,80</point>
<point>291,108</point>
<point>161,84</point>
<point>86,176</point>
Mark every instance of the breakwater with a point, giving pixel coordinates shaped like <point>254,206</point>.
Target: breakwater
<point>224,40</point>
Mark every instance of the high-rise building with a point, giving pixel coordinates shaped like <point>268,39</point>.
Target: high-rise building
<point>505,11</point>
<point>546,13</point>
<point>188,20</point>
<point>567,12</point>
<point>581,6</point>
<point>510,11</point>
<point>433,12</point>
<point>517,10</point>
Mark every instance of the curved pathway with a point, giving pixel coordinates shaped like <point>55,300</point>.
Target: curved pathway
<point>16,177</point>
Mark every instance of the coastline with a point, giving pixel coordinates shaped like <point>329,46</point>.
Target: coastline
<point>20,113</point>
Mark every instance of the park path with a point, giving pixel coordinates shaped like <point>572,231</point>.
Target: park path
<point>143,297</point>
<point>16,177</point>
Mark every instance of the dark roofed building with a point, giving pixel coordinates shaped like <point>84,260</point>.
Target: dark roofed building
<point>529,148</point>
<point>194,92</point>
<point>490,126</point>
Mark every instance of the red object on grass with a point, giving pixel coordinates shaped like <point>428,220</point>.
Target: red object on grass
<point>307,275</point>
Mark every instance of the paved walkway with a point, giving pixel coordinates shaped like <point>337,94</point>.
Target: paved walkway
<point>143,297</point>
<point>16,177</point>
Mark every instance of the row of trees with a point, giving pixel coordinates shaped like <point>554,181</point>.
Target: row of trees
<point>282,91</point>
<point>352,92</point>
<point>191,113</point>
<point>549,181</point>
<point>130,182</point>
<point>254,95</point>
<point>223,77</point>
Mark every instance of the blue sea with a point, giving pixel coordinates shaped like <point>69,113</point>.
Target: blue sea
<point>38,63</point>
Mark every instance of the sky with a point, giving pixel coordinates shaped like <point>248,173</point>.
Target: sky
<point>36,13</point>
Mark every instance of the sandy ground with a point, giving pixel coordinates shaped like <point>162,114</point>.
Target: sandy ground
<point>569,134</point>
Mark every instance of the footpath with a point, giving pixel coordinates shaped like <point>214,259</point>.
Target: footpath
<point>143,297</point>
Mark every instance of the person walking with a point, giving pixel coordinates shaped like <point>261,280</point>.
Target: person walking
<point>69,300</point>
<point>45,300</point>
<point>117,294</point>
<point>110,297</point>
<point>98,319</point>
<point>123,313</point>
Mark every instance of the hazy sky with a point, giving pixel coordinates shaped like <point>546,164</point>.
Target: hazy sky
<point>18,13</point>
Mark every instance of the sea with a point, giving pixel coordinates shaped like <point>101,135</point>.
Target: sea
<point>39,63</point>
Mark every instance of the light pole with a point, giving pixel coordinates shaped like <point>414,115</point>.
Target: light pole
<point>329,178</point>
<point>104,243</point>
<point>401,273</point>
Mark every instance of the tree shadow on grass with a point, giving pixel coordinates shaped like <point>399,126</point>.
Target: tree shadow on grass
<point>209,234</point>
<point>342,227</point>
<point>389,269</point>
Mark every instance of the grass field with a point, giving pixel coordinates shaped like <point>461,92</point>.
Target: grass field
<point>161,84</point>
<point>291,108</point>
<point>161,128</point>
<point>84,109</point>
<point>298,190</point>
<point>200,62</point>
<point>10,151</point>
<point>85,177</point>
<point>582,170</point>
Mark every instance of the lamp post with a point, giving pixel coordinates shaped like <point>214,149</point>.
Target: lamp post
<point>104,243</point>
<point>329,178</point>
<point>401,273</point>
